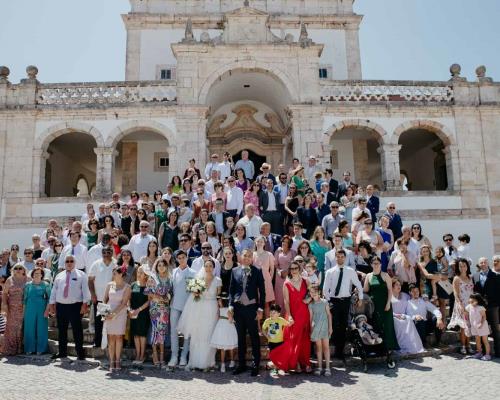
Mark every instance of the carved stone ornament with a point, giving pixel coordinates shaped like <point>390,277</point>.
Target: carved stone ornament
<point>248,25</point>
<point>455,71</point>
<point>4,74</point>
<point>244,123</point>
<point>304,40</point>
<point>481,74</point>
<point>31,72</point>
<point>188,34</point>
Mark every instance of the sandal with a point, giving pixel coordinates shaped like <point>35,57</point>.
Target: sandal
<point>317,371</point>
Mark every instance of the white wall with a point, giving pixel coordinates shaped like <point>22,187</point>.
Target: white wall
<point>346,157</point>
<point>147,179</point>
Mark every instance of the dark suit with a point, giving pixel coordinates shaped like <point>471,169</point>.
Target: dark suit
<point>273,217</point>
<point>127,222</point>
<point>373,204</point>
<point>491,292</point>
<point>343,188</point>
<point>262,180</point>
<point>192,254</point>
<point>274,244</point>
<point>7,270</point>
<point>329,197</point>
<point>333,188</point>
<point>395,224</point>
<point>245,315</point>
<point>225,215</point>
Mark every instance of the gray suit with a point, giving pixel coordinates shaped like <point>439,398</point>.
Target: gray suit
<point>179,278</point>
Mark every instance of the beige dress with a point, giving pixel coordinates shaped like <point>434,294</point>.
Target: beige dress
<point>265,261</point>
<point>117,325</point>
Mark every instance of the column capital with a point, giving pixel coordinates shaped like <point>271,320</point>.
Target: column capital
<point>105,151</point>
<point>389,148</point>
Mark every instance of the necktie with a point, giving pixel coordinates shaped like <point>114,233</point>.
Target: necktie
<point>267,246</point>
<point>72,250</point>
<point>450,250</point>
<point>339,282</point>
<point>66,287</point>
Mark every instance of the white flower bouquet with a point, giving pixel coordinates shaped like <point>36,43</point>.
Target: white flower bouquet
<point>103,310</point>
<point>196,286</point>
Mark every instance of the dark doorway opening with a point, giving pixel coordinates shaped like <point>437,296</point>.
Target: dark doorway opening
<point>257,160</point>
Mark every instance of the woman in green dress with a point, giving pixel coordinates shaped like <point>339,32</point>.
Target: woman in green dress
<point>139,315</point>
<point>319,247</point>
<point>378,285</point>
<point>93,233</point>
<point>299,180</point>
<point>36,312</point>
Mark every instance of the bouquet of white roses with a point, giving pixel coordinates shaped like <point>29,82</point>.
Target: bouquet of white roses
<point>196,286</point>
<point>103,310</point>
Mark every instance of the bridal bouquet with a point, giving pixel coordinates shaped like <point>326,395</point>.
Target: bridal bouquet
<point>196,286</point>
<point>103,310</point>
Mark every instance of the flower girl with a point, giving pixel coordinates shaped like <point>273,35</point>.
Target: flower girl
<point>224,336</point>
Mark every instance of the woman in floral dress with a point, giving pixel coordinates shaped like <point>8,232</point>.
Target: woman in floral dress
<point>159,289</point>
<point>13,309</point>
<point>462,289</point>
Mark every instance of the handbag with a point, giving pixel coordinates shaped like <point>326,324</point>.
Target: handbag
<point>446,286</point>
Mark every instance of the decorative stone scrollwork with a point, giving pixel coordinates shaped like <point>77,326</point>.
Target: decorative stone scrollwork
<point>105,94</point>
<point>379,92</point>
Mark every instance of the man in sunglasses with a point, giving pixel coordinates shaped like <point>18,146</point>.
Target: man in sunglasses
<point>185,244</point>
<point>206,254</point>
<point>331,222</point>
<point>68,301</point>
<point>130,223</point>
<point>395,222</point>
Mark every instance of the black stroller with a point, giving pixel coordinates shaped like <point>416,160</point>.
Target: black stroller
<point>359,347</point>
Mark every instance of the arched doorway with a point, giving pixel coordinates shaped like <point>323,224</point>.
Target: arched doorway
<point>423,159</point>
<point>142,162</point>
<point>257,159</point>
<point>355,149</point>
<point>248,111</point>
<point>71,157</point>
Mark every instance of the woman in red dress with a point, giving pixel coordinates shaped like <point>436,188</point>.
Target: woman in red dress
<point>295,352</point>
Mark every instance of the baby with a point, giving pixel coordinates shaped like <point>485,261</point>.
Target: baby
<point>310,275</point>
<point>368,335</point>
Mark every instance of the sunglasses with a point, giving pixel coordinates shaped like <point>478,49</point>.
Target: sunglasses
<point>184,240</point>
<point>14,248</point>
<point>17,269</point>
<point>392,208</point>
<point>69,261</point>
<point>448,240</point>
<point>294,268</point>
<point>206,248</point>
<point>334,207</point>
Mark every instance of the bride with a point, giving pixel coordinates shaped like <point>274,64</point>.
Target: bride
<point>199,318</point>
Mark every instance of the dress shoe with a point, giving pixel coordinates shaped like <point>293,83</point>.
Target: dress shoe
<point>255,371</point>
<point>57,355</point>
<point>239,370</point>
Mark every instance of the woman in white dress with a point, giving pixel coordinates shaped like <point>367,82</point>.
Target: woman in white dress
<point>406,332</point>
<point>199,318</point>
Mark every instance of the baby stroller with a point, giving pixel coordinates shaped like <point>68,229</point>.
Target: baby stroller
<point>371,344</point>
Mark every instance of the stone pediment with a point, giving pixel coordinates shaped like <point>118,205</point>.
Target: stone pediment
<point>247,25</point>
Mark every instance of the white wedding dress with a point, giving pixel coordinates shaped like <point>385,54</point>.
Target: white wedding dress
<point>198,322</point>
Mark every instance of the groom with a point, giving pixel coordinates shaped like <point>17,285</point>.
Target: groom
<point>246,303</point>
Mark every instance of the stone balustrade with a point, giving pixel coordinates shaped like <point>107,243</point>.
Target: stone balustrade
<point>386,91</point>
<point>111,93</point>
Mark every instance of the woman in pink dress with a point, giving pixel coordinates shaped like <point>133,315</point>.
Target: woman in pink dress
<point>13,309</point>
<point>282,257</point>
<point>265,261</point>
<point>117,295</point>
<point>252,196</point>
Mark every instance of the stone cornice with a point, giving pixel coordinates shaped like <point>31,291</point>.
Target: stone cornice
<point>215,21</point>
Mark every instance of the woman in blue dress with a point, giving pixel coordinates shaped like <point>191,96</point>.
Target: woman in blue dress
<point>388,238</point>
<point>36,325</point>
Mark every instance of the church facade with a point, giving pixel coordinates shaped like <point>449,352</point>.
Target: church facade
<point>280,78</point>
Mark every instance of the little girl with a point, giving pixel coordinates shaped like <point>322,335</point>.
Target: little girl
<point>224,336</point>
<point>321,329</point>
<point>479,328</point>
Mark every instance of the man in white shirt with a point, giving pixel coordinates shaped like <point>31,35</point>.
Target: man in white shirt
<point>330,256</point>
<point>210,185</point>
<point>100,274</point>
<point>68,301</point>
<point>226,167</point>
<point>331,221</point>
<point>76,249</point>
<point>138,245</point>
<point>234,199</point>
<point>246,165</point>
<point>49,251</point>
<point>297,235</point>
<point>310,170</point>
<point>450,251</point>
<point>212,166</point>
<point>251,222</point>
<point>337,290</point>
<point>206,254</point>
<point>417,309</point>
<point>95,252</point>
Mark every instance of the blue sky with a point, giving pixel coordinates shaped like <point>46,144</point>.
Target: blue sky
<point>75,41</point>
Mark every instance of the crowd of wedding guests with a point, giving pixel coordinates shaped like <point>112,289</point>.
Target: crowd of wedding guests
<point>229,252</point>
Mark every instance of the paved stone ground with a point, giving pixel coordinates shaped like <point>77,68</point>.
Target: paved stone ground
<point>441,377</point>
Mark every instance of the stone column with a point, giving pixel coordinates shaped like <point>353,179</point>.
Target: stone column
<point>452,167</point>
<point>191,139</point>
<point>307,132</point>
<point>104,171</point>
<point>389,157</point>
<point>353,53</point>
<point>133,65</point>
<point>40,158</point>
